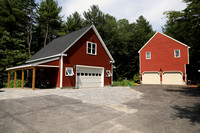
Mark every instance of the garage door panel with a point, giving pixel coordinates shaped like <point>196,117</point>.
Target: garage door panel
<point>151,78</point>
<point>89,77</point>
<point>172,78</point>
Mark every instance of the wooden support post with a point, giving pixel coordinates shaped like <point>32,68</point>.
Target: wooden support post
<point>22,79</point>
<point>33,79</point>
<point>8,79</point>
<point>15,79</point>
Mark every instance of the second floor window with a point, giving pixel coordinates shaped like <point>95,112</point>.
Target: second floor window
<point>177,53</point>
<point>148,55</point>
<point>91,48</point>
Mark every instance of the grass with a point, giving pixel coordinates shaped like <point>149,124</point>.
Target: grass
<point>18,83</point>
<point>124,83</point>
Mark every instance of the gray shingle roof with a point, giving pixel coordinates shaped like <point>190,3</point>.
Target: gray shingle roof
<point>58,45</point>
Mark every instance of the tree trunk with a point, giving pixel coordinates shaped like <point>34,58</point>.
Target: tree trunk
<point>46,34</point>
<point>29,37</point>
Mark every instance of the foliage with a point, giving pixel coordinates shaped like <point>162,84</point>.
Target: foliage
<point>18,83</point>
<point>124,83</point>
<point>49,19</point>
<point>136,78</point>
<point>185,26</point>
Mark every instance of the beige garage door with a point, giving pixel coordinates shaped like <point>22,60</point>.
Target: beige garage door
<point>172,78</point>
<point>89,77</point>
<point>150,78</point>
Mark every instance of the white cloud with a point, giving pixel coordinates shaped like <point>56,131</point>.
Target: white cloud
<point>152,10</point>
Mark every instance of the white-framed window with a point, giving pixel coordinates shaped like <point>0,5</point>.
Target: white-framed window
<point>148,55</point>
<point>91,48</point>
<point>69,71</point>
<point>108,73</point>
<point>177,53</point>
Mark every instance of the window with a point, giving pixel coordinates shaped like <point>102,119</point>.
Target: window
<point>148,55</point>
<point>91,48</point>
<point>69,71</point>
<point>108,73</point>
<point>177,53</point>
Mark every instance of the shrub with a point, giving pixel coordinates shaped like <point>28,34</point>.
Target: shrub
<point>18,83</point>
<point>136,78</point>
<point>124,83</point>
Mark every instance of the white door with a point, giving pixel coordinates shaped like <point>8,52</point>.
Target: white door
<point>150,78</point>
<point>89,77</point>
<point>172,78</point>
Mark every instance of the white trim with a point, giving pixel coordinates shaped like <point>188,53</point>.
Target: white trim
<point>48,66</point>
<point>112,74</point>
<point>92,43</point>
<point>72,74</point>
<point>165,36</point>
<point>43,58</point>
<point>172,71</point>
<point>175,53</point>
<point>89,66</point>
<point>150,72</point>
<point>61,71</point>
<point>17,67</point>
<point>96,67</point>
<point>149,57</point>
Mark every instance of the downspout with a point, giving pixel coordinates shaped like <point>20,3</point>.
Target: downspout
<point>61,71</point>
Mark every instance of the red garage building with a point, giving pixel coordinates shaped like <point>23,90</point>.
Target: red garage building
<point>78,59</point>
<point>163,61</point>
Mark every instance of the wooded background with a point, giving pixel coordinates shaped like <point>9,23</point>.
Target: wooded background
<point>27,26</point>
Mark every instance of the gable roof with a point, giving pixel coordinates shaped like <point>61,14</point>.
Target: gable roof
<point>165,36</point>
<point>60,45</point>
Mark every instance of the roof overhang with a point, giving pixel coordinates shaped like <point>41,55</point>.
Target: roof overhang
<point>31,65</point>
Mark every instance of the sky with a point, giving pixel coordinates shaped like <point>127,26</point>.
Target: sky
<point>152,10</point>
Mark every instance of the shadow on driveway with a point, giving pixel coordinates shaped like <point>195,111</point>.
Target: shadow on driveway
<point>186,91</point>
<point>190,111</point>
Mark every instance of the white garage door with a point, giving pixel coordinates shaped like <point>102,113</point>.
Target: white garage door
<point>150,78</point>
<point>89,77</point>
<point>172,78</point>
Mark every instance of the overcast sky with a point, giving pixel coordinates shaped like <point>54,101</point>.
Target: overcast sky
<point>152,10</point>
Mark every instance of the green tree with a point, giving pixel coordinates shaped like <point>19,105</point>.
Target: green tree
<point>48,17</point>
<point>185,26</point>
<point>74,22</point>
<point>13,46</point>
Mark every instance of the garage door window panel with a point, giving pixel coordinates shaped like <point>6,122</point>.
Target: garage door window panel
<point>69,71</point>
<point>91,48</point>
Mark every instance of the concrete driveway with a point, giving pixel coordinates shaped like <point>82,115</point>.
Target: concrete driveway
<point>140,109</point>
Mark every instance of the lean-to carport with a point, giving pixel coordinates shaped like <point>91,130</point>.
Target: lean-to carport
<point>26,67</point>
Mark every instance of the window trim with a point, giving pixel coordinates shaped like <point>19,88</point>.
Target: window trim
<point>108,73</point>
<point>149,57</point>
<point>92,43</point>
<point>175,53</point>
<point>66,72</point>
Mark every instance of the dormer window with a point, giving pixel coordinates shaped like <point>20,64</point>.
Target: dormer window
<point>177,53</point>
<point>91,48</point>
<point>148,55</point>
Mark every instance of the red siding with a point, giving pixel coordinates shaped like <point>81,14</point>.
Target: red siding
<point>162,55</point>
<point>53,63</point>
<point>77,55</point>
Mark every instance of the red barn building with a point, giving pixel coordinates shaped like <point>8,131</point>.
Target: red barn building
<point>78,59</point>
<point>163,61</point>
